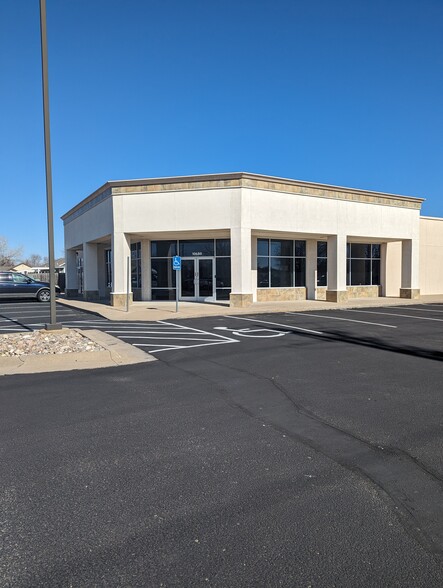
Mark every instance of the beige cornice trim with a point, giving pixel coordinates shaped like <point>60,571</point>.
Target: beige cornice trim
<point>243,180</point>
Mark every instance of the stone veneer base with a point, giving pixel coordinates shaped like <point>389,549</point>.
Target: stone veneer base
<point>411,293</point>
<point>280,294</point>
<point>363,291</point>
<point>240,300</point>
<point>336,295</point>
<point>119,300</point>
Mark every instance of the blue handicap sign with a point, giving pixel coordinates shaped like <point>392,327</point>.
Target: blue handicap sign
<point>176,262</point>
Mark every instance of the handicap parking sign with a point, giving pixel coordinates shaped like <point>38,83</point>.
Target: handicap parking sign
<point>176,262</point>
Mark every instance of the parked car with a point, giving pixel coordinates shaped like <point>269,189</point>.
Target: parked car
<point>16,285</point>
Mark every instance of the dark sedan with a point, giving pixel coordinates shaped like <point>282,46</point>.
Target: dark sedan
<point>16,285</point>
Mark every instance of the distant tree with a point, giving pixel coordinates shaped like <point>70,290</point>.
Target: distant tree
<point>36,260</point>
<point>8,255</point>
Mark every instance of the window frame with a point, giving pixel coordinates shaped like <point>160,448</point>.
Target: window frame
<point>367,260</point>
<point>267,275</point>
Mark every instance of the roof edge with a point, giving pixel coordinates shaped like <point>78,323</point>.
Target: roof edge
<point>231,176</point>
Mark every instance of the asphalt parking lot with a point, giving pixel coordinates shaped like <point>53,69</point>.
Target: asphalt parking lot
<point>269,450</point>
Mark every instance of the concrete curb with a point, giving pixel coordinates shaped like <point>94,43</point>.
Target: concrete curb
<point>115,353</point>
<point>152,311</point>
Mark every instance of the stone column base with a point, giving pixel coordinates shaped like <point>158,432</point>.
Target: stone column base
<point>91,295</point>
<point>336,295</point>
<point>71,293</point>
<point>411,293</point>
<point>240,300</point>
<point>119,300</point>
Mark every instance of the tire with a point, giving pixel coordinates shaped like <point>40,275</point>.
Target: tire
<point>44,295</point>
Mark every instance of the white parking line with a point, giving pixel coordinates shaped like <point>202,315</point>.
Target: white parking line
<point>166,331</point>
<point>111,323</point>
<point>160,328</point>
<point>165,338</point>
<point>240,318</point>
<point>424,309</point>
<point>21,307</point>
<point>336,318</point>
<point>420,318</point>
<point>40,310</point>
<point>200,331</point>
<point>184,346</point>
<point>152,332</point>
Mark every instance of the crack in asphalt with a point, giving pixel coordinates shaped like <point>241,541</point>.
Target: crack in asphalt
<point>415,490</point>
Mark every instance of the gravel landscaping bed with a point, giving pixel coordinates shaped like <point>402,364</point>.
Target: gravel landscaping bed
<point>45,342</point>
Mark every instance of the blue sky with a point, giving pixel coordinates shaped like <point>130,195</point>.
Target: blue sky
<point>346,92</point>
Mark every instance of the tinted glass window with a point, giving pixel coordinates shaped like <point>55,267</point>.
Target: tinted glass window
<point>322,269</point>
<point>223,272</point>
<point>222,294</point>
<point>361,250</point>
<point>376,251</point>
<point>300,248</point>
<point>281,272</point>
<point>360,272</point>
<point>223,247</point>
<point>300,272</point>
<point>282,248</point>
<point>5,278</point>
<point>376,272</point>
<point>163,294</point>
<point>263,272</point>
<point>262,247</point>
<point>162,274</point>
<point>197,248</point>
<point>135,250</point>
<point>322,248</point>
<point>163,248</point>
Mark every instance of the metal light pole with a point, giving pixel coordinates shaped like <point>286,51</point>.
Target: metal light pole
<point>53,318</point>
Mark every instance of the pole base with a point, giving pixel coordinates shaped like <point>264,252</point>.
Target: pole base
<point>53,326</point>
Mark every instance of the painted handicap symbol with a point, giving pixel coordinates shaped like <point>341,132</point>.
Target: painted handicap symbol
<point>257,333</point>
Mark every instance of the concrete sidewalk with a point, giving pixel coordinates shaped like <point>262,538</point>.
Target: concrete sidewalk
<point>156,311</point>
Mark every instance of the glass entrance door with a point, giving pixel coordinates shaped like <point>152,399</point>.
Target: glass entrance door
<point>197,279</point>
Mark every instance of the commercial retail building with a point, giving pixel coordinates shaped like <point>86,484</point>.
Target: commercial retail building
<point>244,237</point>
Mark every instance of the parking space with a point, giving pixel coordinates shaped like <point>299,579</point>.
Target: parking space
<point>411,329</point>
<point>27,315</point>
<point>407,330</point>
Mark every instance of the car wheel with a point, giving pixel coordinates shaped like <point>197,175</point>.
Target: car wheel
<point>44,296</point>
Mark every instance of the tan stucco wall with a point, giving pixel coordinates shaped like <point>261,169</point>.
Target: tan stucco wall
<point>431,255</point>
<point>393,269</point>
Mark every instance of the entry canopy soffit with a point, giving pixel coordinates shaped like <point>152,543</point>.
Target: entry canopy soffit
<point>240,180</point>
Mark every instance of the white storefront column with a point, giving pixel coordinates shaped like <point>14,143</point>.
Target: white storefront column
<point>241,267</point>
<point>311,269</point>
<point>410,285</point>
<point>121,251</point>
<point>336,291</point>
<point>90,272</point>
<point>146,269</point>
<point>71,286</point>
